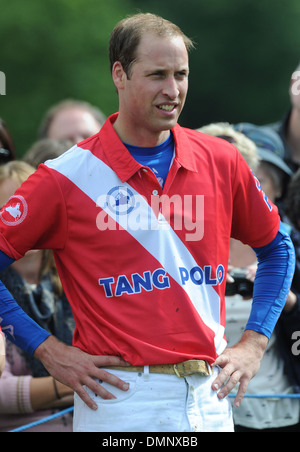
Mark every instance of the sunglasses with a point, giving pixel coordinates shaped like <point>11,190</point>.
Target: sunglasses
<point>5,156</point>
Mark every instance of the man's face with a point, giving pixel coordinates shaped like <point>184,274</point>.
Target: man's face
<point>153,96</point>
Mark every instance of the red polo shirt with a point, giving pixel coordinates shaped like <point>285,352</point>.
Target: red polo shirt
<point>144,268</point>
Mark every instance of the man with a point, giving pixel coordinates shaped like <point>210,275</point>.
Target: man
<point>139,217</point>
<point>288,128</point>
<point>72,120</point>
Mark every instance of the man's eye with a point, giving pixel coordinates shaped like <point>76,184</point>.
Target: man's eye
<point>158,74</point>
<point>181,75</point>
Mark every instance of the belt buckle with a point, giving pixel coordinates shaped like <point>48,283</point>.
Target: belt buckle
<point>190,367</point>
<point>176,370</point>
<point>181,370</point>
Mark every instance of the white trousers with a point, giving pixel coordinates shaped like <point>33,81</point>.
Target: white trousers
<point>156,403</point>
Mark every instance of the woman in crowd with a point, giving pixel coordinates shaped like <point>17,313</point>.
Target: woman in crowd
<point>7,153</point>
<point>7,147</point>
<point>27,392</point>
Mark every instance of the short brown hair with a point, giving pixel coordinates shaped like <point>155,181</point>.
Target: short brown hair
<point>127,34</point>
<point>45,149</point>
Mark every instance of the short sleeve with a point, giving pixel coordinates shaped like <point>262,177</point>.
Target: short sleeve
<point>255,219</point>
<point>35,216</point>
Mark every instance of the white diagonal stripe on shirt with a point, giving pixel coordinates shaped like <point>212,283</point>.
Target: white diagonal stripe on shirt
<point>96,180</point>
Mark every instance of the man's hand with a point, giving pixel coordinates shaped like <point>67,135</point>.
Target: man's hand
<point>239,364</point>
<point>74,368</point>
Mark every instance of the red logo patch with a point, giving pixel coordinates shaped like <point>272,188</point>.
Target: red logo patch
<point>15,211</point>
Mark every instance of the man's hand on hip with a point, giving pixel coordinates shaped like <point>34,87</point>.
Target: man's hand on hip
<point>239,364</point>
<point>75,368</point>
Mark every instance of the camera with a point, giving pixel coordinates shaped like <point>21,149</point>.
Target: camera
<point>241,284</point>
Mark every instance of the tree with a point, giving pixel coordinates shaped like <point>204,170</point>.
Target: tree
<point>54,50</point>
<point>245,54</point>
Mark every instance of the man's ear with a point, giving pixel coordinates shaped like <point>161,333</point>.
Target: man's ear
<point>118,75</point>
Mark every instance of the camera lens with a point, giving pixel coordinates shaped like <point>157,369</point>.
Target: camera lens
<point>245,289</point>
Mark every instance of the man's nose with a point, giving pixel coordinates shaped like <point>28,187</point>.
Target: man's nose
<point>170,88</point>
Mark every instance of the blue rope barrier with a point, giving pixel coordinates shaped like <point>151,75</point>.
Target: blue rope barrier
<point>268,396</point>
<point>69,410</point>
<point>42,421</point>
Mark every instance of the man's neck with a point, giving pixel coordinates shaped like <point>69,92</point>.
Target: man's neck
<point>142,138</point>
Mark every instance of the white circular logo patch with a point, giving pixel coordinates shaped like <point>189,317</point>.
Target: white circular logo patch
<point>120,200</point>
<point>15,211</point>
